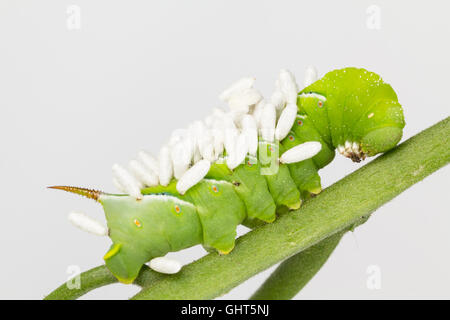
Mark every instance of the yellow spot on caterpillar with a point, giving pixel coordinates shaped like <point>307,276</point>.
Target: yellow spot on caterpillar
<point>215,189</point>
<point>370,115</point>
<point>177,209</point>
<point>137,223</point>
<point>320,104</point>
<point>249,163</point>
<point>300,122</point>
<point>113,251</point>
<point>291,138</point>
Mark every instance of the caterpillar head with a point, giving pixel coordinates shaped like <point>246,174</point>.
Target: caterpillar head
<point>378,130</point>
<point>143,229</point>
<point>381,127</point>
<point>354,111</point>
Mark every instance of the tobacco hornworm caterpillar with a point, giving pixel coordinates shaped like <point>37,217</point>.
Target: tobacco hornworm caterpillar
<point>243,164</point>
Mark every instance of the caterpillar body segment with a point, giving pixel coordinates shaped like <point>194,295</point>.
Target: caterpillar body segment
<point>252,188</point>
<point>283,189</point>
<point>232,168</point>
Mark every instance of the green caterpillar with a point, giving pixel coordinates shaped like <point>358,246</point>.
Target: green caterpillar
<point>351,110</point>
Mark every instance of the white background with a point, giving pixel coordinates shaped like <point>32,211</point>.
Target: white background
<point>73,102</point>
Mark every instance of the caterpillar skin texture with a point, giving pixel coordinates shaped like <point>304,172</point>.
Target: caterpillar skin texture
<point>350,109</point>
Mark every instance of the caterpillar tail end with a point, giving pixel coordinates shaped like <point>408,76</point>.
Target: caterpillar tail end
<point>88,193</point>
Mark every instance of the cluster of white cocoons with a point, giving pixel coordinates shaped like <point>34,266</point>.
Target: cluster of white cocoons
<point>190,152</point>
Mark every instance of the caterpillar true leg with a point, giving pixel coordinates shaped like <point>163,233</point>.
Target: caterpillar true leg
<point>243,164</point>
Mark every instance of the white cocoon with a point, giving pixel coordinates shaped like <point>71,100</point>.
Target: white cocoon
<point>127,181</point>
<point>86,223</point>
<point>218,113</point>
<point>165,265</point>
<point>165,166</point>
<point>238,109</point>
<point>193,176</point>
<point>118,186</point>
<point>206,145</point>
<point>250,130</point>
<point>197,128</point>
<point>311,76</point>
<point>240,151</point>
<point>181,155</point>
<point>246,97</point>
<point>147,177</point>
<point>209,121</point>
<point>248,122</point>
<point>148,161</point>
<point>177,135</point>
<point>228,121</point>
<point>267,123</point>
<point>238,86</point>
<point>257,112</point>
<point>301,152</point>
<point>237,116</point>
<point>288,86</point>
<point>231,135</point>
<point>286,121</point>
<point>278,100</point>
<point>197,156</point>
<point>219,137</point>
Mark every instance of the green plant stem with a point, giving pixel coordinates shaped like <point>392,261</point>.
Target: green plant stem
<point>344,204</point>
<point>338,207</point>
<point>89,280</point>
<point>98,277</point>
<point>294,273</point>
